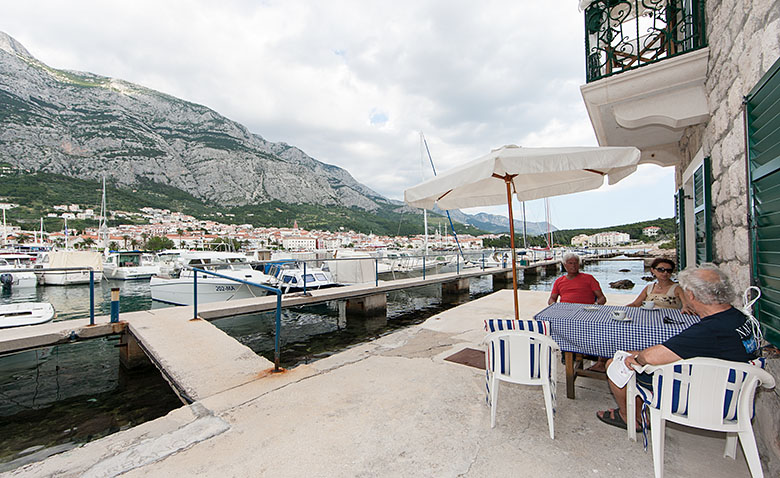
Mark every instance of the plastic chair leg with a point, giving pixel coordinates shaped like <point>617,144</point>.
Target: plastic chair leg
<point>748,441</point>
<point>493,400</point>
<point>631,408</point>
<point>548,404</point>
<point>658,433</point>
<point>731,446</point>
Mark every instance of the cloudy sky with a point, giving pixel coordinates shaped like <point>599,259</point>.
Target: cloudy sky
<point>353,82</point>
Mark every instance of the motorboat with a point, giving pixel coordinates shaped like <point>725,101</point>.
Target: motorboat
<point>85,260</point>
<point>180,290</point>
<point>291,276</point>
<point>25,313</point>
<point>129,265</point>
<point>16,271</point>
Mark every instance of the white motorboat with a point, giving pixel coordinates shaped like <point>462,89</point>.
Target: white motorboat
<point>67,258</point>
<point>290,276</point>
<point>180,290</point>
<point>129,265</point>
<point>25,313</point>
<point>17,271</point>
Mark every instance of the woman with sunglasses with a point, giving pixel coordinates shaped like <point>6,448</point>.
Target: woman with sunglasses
<point>664,292</point>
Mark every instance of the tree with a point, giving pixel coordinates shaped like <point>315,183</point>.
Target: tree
<point>157,243</point>
<point>87,242</point>
<point>125,238</point>
<point>113,246</point>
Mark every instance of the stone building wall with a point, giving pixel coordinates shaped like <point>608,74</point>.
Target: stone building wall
<point>744,42</point>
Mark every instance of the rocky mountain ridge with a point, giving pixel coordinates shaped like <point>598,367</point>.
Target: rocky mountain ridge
<point>85,125</point>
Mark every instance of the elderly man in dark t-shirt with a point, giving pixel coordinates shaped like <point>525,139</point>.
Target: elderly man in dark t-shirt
<point>723,333</point>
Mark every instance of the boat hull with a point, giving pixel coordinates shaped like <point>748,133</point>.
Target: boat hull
<point>211,289</point>
<point>22,279</point>
<point>130,273</point>
<point>66,277</point>
<point>25,313</point>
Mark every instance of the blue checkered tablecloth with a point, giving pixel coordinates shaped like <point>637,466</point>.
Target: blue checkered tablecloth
<point>591,330</point>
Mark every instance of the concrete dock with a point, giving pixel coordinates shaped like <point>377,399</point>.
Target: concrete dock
<point>392,407</point>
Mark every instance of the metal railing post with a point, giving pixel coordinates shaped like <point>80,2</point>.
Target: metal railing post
<point>195,294</point>
<point>457,265</point>
<point>304,278</point>
<point>277,353</point>
<point>376,272</point>
<point>91,297</point>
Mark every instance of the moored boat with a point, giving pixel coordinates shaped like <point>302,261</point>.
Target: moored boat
<point>16,271</point>
<point>70,259</point>
<point>25,313</point>
<point>180,290</point>
<point>128,265</point>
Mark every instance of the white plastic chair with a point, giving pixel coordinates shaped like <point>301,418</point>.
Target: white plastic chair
<point>519,356</point>
<point>703,393</point>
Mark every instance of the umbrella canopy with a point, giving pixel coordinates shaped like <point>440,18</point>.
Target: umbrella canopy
<point>529,173</point>
<point>534,172</point>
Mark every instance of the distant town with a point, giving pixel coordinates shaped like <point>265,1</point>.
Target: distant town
<point>182,231</point>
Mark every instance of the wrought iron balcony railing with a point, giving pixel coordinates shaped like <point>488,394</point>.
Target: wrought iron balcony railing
<point>621,35</point>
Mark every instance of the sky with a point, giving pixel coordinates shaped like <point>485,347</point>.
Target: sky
<point>353,82</point>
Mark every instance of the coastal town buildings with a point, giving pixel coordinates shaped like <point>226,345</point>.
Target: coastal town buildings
<point>609,238</point>
<point>695,85</point>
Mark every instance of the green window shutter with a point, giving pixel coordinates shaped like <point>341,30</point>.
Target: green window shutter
<point>679,218</point>
<point>762,110</point>
<point>702,217</point>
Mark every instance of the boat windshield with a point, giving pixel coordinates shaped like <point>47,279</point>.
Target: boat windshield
<point>308,278</point>
<point>129,260</point>
<point>321,277</point>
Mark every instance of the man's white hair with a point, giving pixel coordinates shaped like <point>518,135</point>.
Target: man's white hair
<point>570,255</point>
<point>709,284</point>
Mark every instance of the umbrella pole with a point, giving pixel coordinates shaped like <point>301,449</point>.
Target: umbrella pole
<point>508,181</point>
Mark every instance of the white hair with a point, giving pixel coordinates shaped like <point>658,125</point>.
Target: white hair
<point>570,255</point>
<point>709,284</point>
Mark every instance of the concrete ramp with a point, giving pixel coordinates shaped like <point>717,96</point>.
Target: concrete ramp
<point>197,358</point>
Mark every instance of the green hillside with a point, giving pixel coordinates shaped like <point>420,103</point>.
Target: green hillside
<point>36,193</point>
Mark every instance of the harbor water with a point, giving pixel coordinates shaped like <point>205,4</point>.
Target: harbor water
<point>55,398</point>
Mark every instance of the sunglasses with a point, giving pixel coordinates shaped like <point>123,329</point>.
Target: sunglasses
<point>664,269</point>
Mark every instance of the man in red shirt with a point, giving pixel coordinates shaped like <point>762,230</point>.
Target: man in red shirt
<point>579,288</point>
<point>576,286</point>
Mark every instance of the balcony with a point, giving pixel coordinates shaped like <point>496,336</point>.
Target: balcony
<point>646,65</point>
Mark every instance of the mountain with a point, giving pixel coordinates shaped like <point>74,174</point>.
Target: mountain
<point>497,224</point>
<point>85,125</point>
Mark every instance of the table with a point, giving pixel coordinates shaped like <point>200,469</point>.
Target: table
<point>591,330</point>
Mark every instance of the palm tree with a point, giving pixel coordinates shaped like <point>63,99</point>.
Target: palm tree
<point>87,242</point>
<point>125,238</point>
<point>134,243</point>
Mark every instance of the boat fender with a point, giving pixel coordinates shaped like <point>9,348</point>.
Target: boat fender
<point>7,280</point>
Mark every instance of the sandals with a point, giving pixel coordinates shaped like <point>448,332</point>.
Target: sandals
<point>612,417</point>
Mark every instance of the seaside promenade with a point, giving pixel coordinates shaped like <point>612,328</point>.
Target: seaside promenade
<point>392,408</point>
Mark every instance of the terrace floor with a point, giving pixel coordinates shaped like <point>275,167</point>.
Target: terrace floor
<point>392,407</point>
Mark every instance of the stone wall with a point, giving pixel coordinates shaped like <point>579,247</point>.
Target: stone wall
<point>744,42</point>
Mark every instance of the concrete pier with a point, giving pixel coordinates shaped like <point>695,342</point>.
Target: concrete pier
<point>371,305</point>
<point>391,407</point>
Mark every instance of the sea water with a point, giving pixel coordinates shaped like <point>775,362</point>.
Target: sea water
<point>55,398</point>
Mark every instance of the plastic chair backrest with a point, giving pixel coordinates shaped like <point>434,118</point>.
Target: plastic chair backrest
<point>519,356</point>
<point>706,392</point>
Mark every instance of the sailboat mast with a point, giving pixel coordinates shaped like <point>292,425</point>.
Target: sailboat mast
<point>524,244</point>
<point>422,177</point>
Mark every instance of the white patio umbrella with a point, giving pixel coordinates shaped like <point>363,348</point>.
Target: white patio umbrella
<point>529,173</point>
